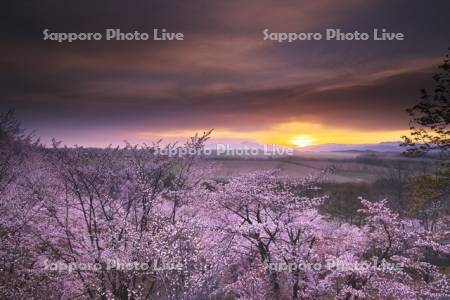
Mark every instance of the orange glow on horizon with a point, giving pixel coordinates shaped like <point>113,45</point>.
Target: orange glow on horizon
<point>300,134</point>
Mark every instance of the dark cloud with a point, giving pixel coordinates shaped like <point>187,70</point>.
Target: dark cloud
<point>223,74</point>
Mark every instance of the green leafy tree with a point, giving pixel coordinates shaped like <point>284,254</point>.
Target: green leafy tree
<point>430,118</point>
<point>430,131</point>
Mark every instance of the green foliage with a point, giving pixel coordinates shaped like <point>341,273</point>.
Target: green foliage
<point>343,200</point>
<point>430,118</point>
<point>430,196</point>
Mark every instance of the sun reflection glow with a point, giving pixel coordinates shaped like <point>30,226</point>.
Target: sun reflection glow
<point>302,141</point>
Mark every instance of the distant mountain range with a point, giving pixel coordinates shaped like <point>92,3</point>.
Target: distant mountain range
<point>379,147</point>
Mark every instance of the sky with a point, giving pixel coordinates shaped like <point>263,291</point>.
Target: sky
<point>223,75</point>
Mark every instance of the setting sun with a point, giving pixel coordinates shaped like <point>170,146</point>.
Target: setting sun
<point>302,141</point>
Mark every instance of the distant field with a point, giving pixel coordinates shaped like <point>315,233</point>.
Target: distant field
<point>344,172</point>
<point>347,167</point>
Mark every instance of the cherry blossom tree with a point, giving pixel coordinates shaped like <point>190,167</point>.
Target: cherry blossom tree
<point>274,244</point>
<point>148,222</point>
<point>390,260</point>
<point>104,208</point>
<point>263,218</point>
